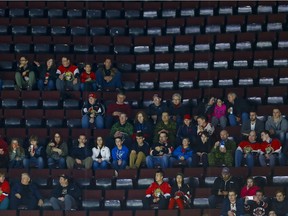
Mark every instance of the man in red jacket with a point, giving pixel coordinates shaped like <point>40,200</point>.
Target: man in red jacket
<point>68,76</point>
<point>159,192</point>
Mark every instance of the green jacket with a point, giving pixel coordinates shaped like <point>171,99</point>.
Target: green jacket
<point>170,127</point>
<point>127,129</point>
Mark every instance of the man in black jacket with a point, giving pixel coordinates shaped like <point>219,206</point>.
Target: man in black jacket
<point>66,194</point>
<point>221,186</point>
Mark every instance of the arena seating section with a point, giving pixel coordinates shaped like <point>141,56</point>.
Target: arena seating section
<point>195,48</point>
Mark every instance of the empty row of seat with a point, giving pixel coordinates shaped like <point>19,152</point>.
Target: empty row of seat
<point>137,9</point>
<point>169,26</point>
<point>45,134</point>
<point>144,44</point>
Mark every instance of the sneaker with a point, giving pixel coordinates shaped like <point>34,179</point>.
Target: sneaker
<point>116,173</point>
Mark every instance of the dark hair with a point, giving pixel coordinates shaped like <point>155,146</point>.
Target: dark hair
<point>266,132</point>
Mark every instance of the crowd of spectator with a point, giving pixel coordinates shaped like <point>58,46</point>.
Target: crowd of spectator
<point>165,134</point>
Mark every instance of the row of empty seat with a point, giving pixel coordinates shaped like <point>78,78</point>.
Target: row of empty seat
<point>170,26</point>
<point>144,44</point>
<point>137,9</point>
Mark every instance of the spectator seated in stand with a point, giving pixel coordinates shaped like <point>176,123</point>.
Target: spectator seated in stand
<point>120,155</point>
<point>187,129</point>
<point>68,76</point>
<point>47,75</point>
<point>182,155</point>
<point>16,154</point>
<point>25,75</point>
<point>253,124</point>
<point>4,154</point>
<point>34,154</point>
<point>219,114</point>
<point>5,191</point>
<point>88,79</point>
<point>101,155</point>
<point>155,110</point>
<point>108,76</point>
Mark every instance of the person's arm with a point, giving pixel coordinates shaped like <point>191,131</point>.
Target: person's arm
<point>107,154</point>
<point>64,149</point>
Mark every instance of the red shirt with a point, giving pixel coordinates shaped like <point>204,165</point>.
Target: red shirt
<point>274,143</point>
<point>70,72</point>
<point>5,188</point>
<point>123,108</point>
<point>245,143</point>
<point>156,190</point>
<point>85,75</point>
<point>249,191</point>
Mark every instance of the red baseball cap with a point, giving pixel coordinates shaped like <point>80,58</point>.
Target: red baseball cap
<point>92,95</point>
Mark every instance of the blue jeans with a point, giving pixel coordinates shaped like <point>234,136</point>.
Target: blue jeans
<point>98,122</point>
<point>173,160</point>
<point>162,161</point>
<point>4,204</point>
<point>53,163</point>
<point>239,157</point>
<point>16,164</point>
<point>103,165</point>
<point>232,118</point>
<point>272,159</point>
<point>50,85</point>
<point>119,167</point>
<point>68,204</point>
<point>90,86</point>
<point>33,161</point>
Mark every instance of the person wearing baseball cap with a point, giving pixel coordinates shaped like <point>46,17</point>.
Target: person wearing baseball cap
<point>187,129</point>
<point>65,195</point>
<point>221,186</point>
<point>93,113</point>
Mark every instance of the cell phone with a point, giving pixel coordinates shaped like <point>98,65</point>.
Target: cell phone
<point>250,197</point>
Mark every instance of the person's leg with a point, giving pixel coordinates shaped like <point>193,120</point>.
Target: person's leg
<point>132,159</point>
<point>62,163</point>
<point>238,158</point>
<point>149,161</point>
<point>14,202</point>
<point>4,204</point>
<point>99,79</point>
<point>85,121</point>
<point>163,203</point>
<point>56,204</point>
<point>40,163</point>
<point>171,203</point>
<point>223,122</point>
<point>123,164</point>
<point>70,162</point>
<point>250,160</point>
<point>140,159</point>
<point>51,163</point>
<point>76,87</point>
<point>32,80</point>
<point>60,85</point>
<point>40,85</point>
<point>189,162</point>
<point>180,204</point>
<point>95,165</point>
<point>262,160</point>
<point>26,163</point>
<point>69,202</point>
<point>104,165</point>
<point>272,160</point>
<point>214,121</point>
<point>244,117</point>
<point>87,162</point>
<point>82,87</point>
<point>232,120</point>
<point>19,80</point>
<point>50,85</point>
<point>99,121</point>
<point>164,162</point>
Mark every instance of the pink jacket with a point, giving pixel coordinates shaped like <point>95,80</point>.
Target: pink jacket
<point>219,111</point>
